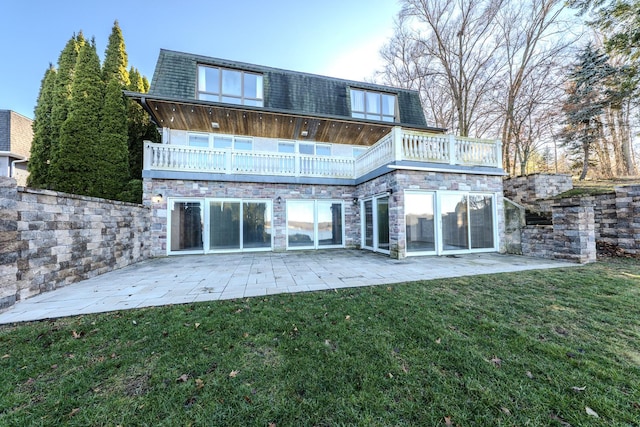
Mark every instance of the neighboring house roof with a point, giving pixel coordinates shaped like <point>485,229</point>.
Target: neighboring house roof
<point>16,134</point>
<point>292,91</point>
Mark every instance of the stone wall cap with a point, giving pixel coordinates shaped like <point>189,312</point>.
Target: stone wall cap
<point>43,192</point>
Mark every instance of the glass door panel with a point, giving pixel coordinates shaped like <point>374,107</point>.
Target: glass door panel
<point>420,222</point>
<point>382,211</point>
<point>300,224</point>
<point>368,224</point>
<point>481,221</point>
<point>186,226</point>
<point>329,223</point>
<point>453,215</point>
<point>256,225</point>
<point>224,231</point>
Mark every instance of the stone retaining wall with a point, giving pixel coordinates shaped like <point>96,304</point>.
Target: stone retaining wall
<point>50,239</point>
<point>571,237</point>
<point>628,218</point>
<point>528,190</point>
<point>538,241</point>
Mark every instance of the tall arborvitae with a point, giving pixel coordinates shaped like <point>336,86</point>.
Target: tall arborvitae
<point>115,58</point>
<point>42,132</point>
<point>140,126</point>
<point>112,150</point>
<point>75,169</point>
<point>62,91</point>
<point>112,154</point>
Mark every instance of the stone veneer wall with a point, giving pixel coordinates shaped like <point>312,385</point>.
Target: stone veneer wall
<point>605,218</point>
<point>628,218</point>
<point>50,239</point>
<point>401,180</point>
<point>214,189</point>
<point>396,182</point>
<point>538,241</point>
<point>571,237</point>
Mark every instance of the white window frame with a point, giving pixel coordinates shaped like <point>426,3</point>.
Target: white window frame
<point>205,206</point>
<point>378,116</point>
<point>171,201</point>
<point>212,136</point>
<point>316,244</point>
<point>494,213</point>
<point>436,217</point>
<point>374,219</point>
<point>244,100</point>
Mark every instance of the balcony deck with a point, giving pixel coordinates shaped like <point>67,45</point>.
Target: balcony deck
<point>398,147</point>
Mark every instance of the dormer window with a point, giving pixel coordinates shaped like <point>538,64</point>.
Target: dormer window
<point>366,104</point>
<point>230,86</point>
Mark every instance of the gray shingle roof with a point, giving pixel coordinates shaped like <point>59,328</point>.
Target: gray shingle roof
<point>175,77</point>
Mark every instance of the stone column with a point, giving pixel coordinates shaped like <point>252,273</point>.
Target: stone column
<point>10,245</point>
<point>574,230</point>
<point>628,216</point>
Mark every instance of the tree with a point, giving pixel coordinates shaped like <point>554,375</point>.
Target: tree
<point>140,126</point>
<point>525,28</point>
<point>40,158</point>
<point>111,153</point>
<point>455,42</point>
<point>586,100</point>
<point>474,61</point>
<point>75,169</point>
<point>115,58</point>
<point>619,23</point>
<point>619,20</point>
<point>62,92</point>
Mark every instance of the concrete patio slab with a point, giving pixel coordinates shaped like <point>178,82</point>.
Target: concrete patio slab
<point>191,278</point>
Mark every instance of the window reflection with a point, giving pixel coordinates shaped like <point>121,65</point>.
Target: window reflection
<point>186,226</point>
<point>420,222</point>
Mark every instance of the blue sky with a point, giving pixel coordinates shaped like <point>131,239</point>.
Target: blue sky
<point>340,38</point>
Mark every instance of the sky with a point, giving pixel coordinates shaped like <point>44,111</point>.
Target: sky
<point>338,38</point>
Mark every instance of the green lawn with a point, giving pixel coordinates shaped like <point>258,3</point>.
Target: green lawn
<point>555,347</point>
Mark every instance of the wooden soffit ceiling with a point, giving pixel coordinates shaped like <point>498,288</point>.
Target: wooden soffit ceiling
<point>237,120</point>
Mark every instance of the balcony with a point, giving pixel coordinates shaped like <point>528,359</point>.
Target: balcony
<point>399,147</point>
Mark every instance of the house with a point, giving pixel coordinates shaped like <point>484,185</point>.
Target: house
<point>16,135</point>
<point>255,158</point>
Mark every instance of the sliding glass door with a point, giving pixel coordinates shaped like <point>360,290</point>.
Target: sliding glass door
<point>375,223</point>
<point>468,221</point>
<point>312,224</point>
<point>218,225</point>
<point>185,224</point>
<point>420,222</point>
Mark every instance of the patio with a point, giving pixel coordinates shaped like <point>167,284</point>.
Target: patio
<point>194,278</point>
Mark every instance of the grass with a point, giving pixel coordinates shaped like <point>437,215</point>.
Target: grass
<point>596,187</point>
<point>532,348</point>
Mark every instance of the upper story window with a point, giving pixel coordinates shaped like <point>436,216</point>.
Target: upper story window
<point>373,105</point>
<point>207,140</point>
<point>230,86</point>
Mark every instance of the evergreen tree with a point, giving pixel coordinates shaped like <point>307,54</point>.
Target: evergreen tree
<point>112,155</point>
<point>62,91</point>
<point>115,58</point>
<point>587,98</point>
<point>42,132</point>
<point>75,169</point>
<point>140,126</point>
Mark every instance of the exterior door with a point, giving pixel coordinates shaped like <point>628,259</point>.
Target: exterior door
<point>186,222</point>
<point>375,224</point>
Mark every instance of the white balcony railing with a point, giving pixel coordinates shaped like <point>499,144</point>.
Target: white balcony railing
<point>398,145</point>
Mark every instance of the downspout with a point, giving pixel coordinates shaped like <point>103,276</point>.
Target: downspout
<point>13,166</point>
